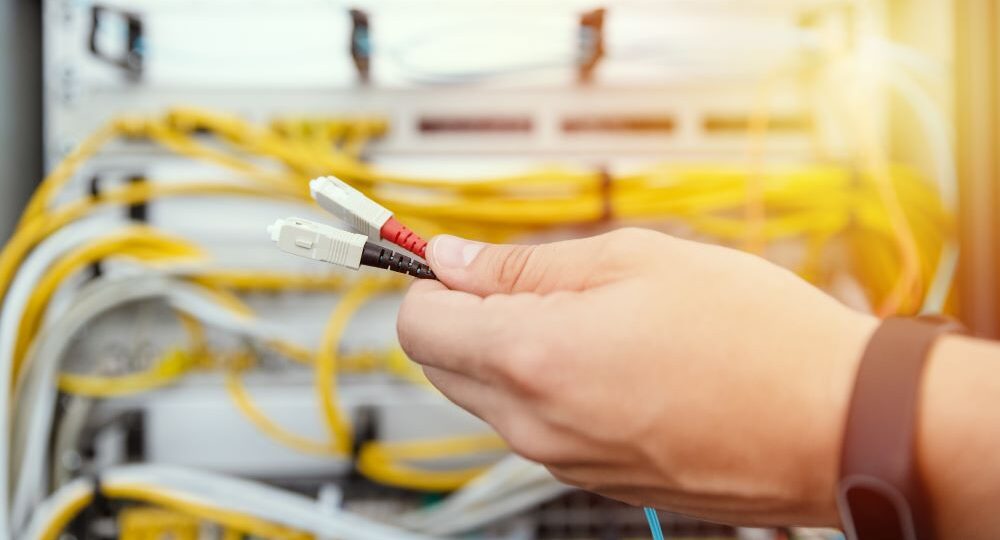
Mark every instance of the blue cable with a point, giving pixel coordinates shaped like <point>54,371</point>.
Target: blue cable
<point>654,523</point>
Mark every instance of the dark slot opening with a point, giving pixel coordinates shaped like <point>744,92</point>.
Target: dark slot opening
<point>728,124</point>
<point>619,124</point>
<point>475,124</point>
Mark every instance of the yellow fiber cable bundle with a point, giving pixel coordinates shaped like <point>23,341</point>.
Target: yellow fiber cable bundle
<point>326,362</point>
<point>141,243</point>
<point>35,229</point>
<point>376,462</point>
<point>146,523</point>
<point>804,202</point>
<point>174,364</point>
<point>229,519</point>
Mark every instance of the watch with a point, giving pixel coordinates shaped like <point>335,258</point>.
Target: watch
<point>880,493</point>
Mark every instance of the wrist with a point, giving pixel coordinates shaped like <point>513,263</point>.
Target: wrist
<point>853,337</point>
<point>957,438</point>
<point>899,457</point>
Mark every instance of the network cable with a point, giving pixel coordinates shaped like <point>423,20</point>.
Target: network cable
<point>321,242</point>
<point>365,215</point>
<point>815,203</point>
<point>654,523</point>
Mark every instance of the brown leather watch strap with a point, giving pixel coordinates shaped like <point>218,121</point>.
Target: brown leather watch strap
<point>880,493</point>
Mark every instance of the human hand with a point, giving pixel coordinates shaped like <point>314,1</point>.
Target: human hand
<point>650,369</point>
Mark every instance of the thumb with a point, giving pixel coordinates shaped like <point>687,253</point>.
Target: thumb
<point>485,269</point>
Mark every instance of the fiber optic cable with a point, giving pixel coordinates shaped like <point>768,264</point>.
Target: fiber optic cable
<point>140,242</point>
<point>175,363</point>
<point>243,402</point>
<point>30,233</point>
<point>239,504</point>
<point>548,205</point>
<point>654,523</point>
<point>326,362</point>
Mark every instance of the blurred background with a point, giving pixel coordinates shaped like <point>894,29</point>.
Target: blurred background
<point>171,374</point>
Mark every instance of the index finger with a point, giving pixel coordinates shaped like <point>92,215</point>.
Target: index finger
<point>458,331</point>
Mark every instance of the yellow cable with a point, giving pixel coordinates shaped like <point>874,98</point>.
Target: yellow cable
<point>63,172</point>
<point>901,297</point>
<point>35,230</point>
<point>65,515</point>
<point>244,403</point>
<point>268,281</point>
<point>166,371</point>
<point>443,447</point>
<point>244,523</point>
<point>374,463</point>
<point>141,242</point>
<point>756,210</point>
<point>500,207</point>
<point>163,135</point>
<point>326,361</point>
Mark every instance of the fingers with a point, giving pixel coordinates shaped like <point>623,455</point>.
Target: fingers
<point>477,398</point>
<point>449,330</point>
<point>524,433</point>
<point>463,333</point>
<point>573,265</point>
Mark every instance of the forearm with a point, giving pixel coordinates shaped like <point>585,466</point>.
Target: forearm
<point>959,440</point>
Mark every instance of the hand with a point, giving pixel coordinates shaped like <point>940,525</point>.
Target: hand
<point>647,368</point>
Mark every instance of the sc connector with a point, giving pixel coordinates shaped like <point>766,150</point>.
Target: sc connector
<point>318,242</point>
<point>363,214</point>
<point>321,242</point>
<point>350,205</point>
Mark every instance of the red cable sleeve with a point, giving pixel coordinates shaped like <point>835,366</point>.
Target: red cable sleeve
<point>399,234</point>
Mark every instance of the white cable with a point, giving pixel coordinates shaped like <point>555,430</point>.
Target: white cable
<point>40,259</point>
<point>944,274</point>
<point>512,485</point>
<point>936,132</point>
<point>58,503</point>
<point>28,275</point>
<point>504,507</point>
<point>935,128</point>
<point>302,513</point>
<point>223,493</point>
<point>505,472</point>
<point>38,392</point>
<point>906,57</point>
<point>266,502</point>
<point>70,428</point>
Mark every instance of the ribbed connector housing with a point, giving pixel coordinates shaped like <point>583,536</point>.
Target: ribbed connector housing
<point>379,257</point>
<point>318,242</point>
<point>350,205</point>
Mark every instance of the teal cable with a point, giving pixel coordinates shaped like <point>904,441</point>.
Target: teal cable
<point>654,523</point>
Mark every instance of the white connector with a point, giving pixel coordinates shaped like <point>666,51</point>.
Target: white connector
<point>318,242</point>
<point>350,205</point>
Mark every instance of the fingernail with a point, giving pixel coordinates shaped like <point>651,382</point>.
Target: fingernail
<point>454,252</point>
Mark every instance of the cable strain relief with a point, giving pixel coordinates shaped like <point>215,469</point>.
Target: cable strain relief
<point>100,505</point>
<point>366,431</point>
<point>377,256</point>
<point>399,234</point>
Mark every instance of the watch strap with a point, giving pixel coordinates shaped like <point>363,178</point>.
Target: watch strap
<point>880,493</point>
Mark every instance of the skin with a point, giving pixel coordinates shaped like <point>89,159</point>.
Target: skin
<point>685,376</point>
